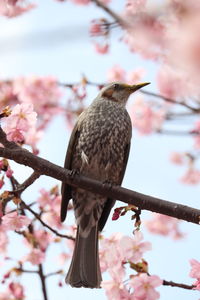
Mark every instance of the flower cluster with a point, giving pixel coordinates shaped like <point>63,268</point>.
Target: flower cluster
<point>164,225</point>
<point>115,253</point>
<point>13,8</point>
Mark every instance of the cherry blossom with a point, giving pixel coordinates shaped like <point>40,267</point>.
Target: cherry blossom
<point>42,92</point>
<point>145,119</point>
<point>132,249</point>
<point>192,176</point>
<point>3,240</point>
<point>101,48</point>
<point>9,172</point>
<point>116,290</point>
<point>35,257</point>
<point>164,225</point>
<point>13,221</point>
<point>116,73</point>
<point>17,290</point>
<point>144,287</point>
<point>81,2</point>
<point>177,158</point>
<point>195,271</point>
<point>20,122</point>
<point>10,8</point>
<point>5,296</point>
<point>62,258</point>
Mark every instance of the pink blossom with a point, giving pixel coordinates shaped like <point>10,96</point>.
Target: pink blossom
<point>197,285</point>
<point>134,6</point>
<point>3,240</point>
<point>164,225</point>
<point>145,34</point>
<point>5,296</point>
<point>35,257</point>
<point>13,221</point>
<point>192,176</point>
<point>195,271</point>
<point>62,258</point>
<point>43,239</point>
<point>81,2</point>
<point>116,73</point>
<point>7,96</point>
<point>132,249</point>
<point>17,290</point>
<point>135,76</point>
<point>9,172</point>
<point>171,83</point>
<point>10,8</point>
<point>53,219</point>
<point>20,122</point>
<point>116,290</point>
<point>45,198</point>
<point>97,27</point>
<point>101,48</point>
<point>144,287</point>
<point>42,92</point>
<point>110,258</point>
<point>177,158</point>
<point>144,118</point>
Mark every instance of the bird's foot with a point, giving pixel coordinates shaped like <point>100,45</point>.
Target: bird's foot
<point>108,184</point>
<point>73,173</point>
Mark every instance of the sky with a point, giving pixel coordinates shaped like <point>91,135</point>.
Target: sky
<point>53,40</point>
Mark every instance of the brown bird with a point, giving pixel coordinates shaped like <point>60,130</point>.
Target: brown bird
<point>98,148</point>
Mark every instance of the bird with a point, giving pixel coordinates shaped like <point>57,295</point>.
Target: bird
<point>98,148</point>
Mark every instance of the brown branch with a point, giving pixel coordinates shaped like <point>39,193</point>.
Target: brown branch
<point>42,166</point>
<point>109,11</point>
<point>179,285</point>
<point>54,273</point>
<point>37,216</point>
<point>177,132</point>
<point>193,109</point>
<point>21,187</point>
<point>43,283</point>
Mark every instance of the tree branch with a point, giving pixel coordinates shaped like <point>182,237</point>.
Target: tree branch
<point>44,167</point>
<point>109,11</point>
<point>44,224</point>
<point>180,285</point>
<point>21,187</point>
<point>193,109</point>
<point>43,283</point>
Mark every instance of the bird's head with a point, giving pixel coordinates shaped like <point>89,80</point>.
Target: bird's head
<point>119,92</point>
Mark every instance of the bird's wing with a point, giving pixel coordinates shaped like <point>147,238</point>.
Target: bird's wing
<point>65,188</point>
<point>110,202</point>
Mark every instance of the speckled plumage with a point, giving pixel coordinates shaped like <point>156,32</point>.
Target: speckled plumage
<point>98,148</point>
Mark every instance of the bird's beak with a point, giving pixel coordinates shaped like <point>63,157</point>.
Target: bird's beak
<point>138,86</point>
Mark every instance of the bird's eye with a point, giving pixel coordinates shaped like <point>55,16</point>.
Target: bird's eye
<point>116,86</point>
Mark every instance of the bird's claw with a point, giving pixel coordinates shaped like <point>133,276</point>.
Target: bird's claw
<point>73,173</point>
<point>108,184</point>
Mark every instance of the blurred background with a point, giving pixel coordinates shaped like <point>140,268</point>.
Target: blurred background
<point>53,39</point>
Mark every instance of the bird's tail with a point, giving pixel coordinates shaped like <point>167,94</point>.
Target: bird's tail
<point>84,270</point>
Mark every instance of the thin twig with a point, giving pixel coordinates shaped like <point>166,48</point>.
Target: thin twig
<point>54,273</point>
<point>21,187</point>
<point>37,216</point>
<point>109,11</point>
<point>196,110</point>
<point>177,132</point>
<point>180,285</point>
